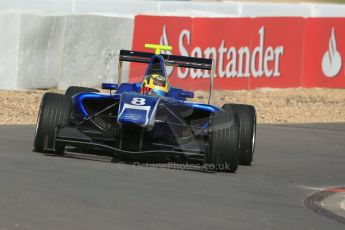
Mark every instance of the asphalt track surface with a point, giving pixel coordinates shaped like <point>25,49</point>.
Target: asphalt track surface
<point>76,192</point>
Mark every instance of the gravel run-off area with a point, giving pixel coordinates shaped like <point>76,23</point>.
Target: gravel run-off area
<point>274,106</point>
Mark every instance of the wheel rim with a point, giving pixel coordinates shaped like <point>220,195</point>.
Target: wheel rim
<point>254,134</point>
<point>38,118</point>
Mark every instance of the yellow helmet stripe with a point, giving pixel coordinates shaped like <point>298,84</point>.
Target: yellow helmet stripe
<point>164,89</point>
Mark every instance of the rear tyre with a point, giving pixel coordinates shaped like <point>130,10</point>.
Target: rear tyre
<point>54,112</point>
<point>247,118</point>
<point>73,90</point>
<point>222,147</point>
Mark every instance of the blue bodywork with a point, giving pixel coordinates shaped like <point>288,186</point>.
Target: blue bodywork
<point>126,93</point>
<point>135,108</point>
<point>132,125</point>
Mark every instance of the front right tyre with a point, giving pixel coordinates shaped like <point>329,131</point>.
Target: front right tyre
<point>54,112</point>
<point>73,90</point>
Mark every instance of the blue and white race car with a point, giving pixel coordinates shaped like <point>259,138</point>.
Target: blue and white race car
<point>148,121</point>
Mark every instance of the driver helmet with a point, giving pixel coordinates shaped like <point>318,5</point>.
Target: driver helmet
<point>154,84</point>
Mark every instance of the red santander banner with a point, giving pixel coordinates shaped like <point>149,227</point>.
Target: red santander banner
<point>161,30</point>
<point>249,52</point>
<point>324,53</point>
<point>229,43</point>
<point>281,41</point>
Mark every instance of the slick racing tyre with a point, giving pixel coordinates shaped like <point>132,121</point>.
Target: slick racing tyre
<point>54,112</point>
<point>73,90</point>
<point>247,118</point>
<point>222,147</point>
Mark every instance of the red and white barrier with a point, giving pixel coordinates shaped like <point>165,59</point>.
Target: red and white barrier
<point>276,52</point>
<point>324,53</point>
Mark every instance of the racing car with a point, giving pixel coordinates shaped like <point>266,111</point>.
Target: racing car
<point>148,121</point>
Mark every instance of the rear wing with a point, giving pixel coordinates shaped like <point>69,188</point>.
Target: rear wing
<point>169,60</point>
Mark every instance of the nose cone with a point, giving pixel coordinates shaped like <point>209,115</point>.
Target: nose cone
<point>137,109</point>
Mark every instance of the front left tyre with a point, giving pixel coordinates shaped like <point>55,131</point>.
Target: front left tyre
<point>222,152</point>
<point>247,134</point>
<point>54,112</point>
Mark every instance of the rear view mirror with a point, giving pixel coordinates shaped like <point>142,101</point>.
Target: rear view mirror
<point>186,94</point>
<point>110,86</point>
